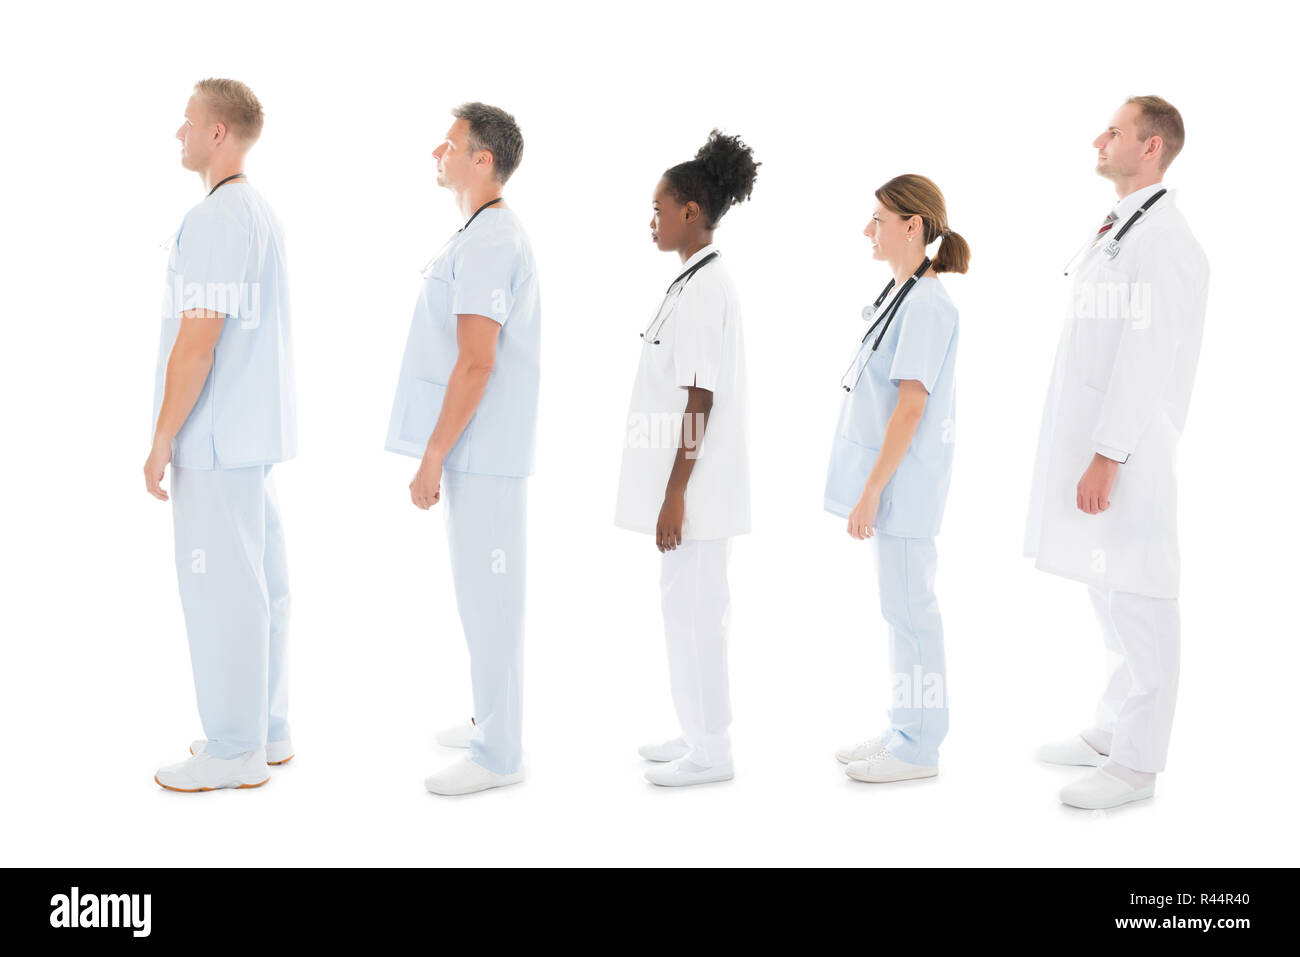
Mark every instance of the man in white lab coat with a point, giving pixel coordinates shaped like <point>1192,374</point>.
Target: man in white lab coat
<point>1104,500</point>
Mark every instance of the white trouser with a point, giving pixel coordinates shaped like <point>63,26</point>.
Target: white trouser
<point>1137,708</point>
<point>697,609</point>
<point>486,518</point>
<point>234,584</point>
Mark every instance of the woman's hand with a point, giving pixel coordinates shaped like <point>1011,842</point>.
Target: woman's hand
<point>862,520</point>
<point>668,533</point>
<point>156,465</point>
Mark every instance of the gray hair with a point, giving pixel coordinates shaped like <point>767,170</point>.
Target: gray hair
<point>493,129</point>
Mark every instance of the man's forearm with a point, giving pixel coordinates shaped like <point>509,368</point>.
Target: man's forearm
<point>465,388</point>
<point>187,371</point>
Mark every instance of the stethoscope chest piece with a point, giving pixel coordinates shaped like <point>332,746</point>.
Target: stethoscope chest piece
<point>869,312</point>
<point>1112,249</point>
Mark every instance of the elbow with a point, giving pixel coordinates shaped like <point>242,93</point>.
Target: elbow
<point>479,367</point>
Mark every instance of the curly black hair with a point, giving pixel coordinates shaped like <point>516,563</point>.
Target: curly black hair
<point>721,175</point>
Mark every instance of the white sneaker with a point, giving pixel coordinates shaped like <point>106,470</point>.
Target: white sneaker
<point>203,772</point>
<point>860,752</point>
<point>683,773</point>
<point>1100,790</point>
<point>466,777</point>
<point>1072,751</point>
<point>668,751</point>
<point>277,752</point>
<point>884,766</point>
<point>456,737</point>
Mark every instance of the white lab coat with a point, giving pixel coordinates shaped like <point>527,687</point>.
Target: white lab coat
<point>1121,386</point>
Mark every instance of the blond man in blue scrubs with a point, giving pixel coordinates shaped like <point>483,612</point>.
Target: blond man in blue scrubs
<point>224,413</point>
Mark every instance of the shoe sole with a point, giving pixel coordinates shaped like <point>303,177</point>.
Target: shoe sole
<point>237,787</point>
<point>911,777</point>
<point>274,764</point>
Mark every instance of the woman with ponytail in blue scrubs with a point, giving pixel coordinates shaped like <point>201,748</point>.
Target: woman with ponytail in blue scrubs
<point>891,462</point>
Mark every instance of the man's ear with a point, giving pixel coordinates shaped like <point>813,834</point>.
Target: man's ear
<point>1154,145</point>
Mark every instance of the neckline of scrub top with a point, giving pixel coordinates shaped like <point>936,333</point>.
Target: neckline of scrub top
<point>893,293</point>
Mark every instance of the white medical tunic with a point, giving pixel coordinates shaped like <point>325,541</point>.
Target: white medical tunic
<point>229,257</point>
<point>1120,386</point>
<point>700,344</point>
<point>486,269</point>
<point>921,344</point>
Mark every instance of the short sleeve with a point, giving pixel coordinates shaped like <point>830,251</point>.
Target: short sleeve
<point>211,263</point>
<point>698,337</point>
<point>925,330</point>
<point>486,274</point>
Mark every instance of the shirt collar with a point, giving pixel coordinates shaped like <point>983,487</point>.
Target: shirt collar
<point>700,254</point>
<point>1125,208</point>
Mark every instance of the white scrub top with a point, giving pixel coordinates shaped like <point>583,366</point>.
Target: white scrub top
<point>486,269</point>
<point>700,344</point>
<point>921,344</point>
<point>229,256</point>
<point>1121,385</point>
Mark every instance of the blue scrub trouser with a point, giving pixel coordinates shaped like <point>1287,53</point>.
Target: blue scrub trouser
<point>486,521</point>
<point>918,714</point>
<point>234,585</point>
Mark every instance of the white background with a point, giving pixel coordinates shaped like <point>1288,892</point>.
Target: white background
<point>998,104</point>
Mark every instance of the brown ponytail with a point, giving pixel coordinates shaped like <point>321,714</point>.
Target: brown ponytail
<point>914,195</point>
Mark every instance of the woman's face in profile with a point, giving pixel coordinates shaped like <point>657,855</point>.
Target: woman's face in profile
<point>668,224</point>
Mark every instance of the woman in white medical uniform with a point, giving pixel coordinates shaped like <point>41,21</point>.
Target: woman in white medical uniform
<point>685,471</point>
<point>891,461</point>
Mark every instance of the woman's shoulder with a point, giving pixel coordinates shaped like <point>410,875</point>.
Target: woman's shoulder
<point>930,296</point>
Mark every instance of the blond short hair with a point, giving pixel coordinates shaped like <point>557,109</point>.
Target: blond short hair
<point>1159,118</point>
<point>234,104</point>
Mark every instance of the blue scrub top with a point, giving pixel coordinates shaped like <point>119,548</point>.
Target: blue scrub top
<point>921,344</point>
<point>229,257</point>
<point>486,269</point>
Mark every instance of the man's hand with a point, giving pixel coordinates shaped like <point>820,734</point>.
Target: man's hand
<point>426,487</point>
<point>862,520</point>
<point>1093,492</point>
<point>668,534</point>
<point>156,466</point>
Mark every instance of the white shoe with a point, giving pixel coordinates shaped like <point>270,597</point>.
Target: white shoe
<point>683,773</point>
<point>466,777</point>
<point>884,766</point>
<point>1071,751</point>
<point>1100,790</point>
<point>456,737</point>
<point>668,751</point>
<point>860,752</point>
<point>203,772</point>
<point>277,752</point>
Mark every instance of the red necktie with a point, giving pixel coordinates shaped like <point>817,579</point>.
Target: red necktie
<point>1105,227</point>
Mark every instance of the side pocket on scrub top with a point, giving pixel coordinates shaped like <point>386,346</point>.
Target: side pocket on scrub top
<point>850,465</point>
<point>423,406</point>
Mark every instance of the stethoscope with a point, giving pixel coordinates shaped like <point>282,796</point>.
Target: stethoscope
<point>887,317</point>
<point>434,257</point>
<point>674,291</point>
<point>1111,249</point>
<point>224,182</point>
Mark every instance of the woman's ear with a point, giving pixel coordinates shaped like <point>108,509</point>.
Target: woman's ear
<point>691,212</point>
